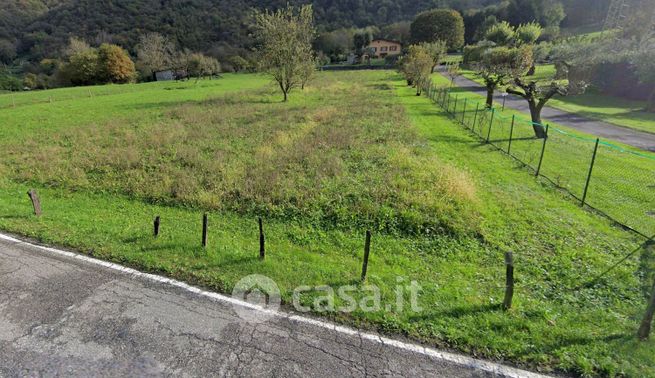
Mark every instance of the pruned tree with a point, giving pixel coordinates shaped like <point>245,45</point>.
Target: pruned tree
<point>537,96</point>
<point>417,66</point>
<point>500,64</point>
<point>437,51</point>
<point>527,35</point>
<point>439,25</point>
<point>501,34</point>
<point>284,44</point>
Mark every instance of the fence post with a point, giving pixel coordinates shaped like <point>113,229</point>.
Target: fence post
<point>475,117</point>
<point>464,111</point>
<point>543,149</point>
<point>156,225</point>
<point>204,230</point>
<point>262,249</point>
<point>591,168</point>
<point>367,250</point>
<point>647,321</point>
<point>491,122</point>
<point>455,108</point>
<point>509,280</point>
<point>36,203</point>
<point>448,101</point>
<point>511,134</point>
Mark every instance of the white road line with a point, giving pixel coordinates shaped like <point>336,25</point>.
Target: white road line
<point>487,366</point>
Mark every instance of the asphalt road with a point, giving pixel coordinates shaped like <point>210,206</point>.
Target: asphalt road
<point>66,315</point>
<point>610,132</point>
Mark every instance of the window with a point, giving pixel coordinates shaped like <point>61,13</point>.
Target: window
<point>393,48</point>
<point>375,49</point>
<point>383,48</point>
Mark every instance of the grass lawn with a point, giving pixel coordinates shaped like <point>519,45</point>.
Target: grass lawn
<point>356,150</point>
<point>615,110</point>
<point>622,177</point>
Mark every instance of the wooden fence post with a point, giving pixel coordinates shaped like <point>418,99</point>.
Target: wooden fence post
<point>262,241</point>
<point>509,280</point>
<point>367,250</point>
<point>36,203</point>
<point>205,221</point>
<point>644,329</point>
<point>156,225</point>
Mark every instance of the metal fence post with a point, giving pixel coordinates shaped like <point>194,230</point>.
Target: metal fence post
<point>591,168</point>
<point>455,108</point>
<point>475,117</point>
<point>464,111</point>
<point>511,134</point>
<point>543,149</point>
<point>491,122</point>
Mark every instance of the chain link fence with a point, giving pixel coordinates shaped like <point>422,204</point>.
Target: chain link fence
<point>615,181</point>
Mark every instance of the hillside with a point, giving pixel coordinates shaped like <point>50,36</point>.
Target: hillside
<point>39,28</point>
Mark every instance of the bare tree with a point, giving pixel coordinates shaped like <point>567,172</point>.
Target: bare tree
<point>155,52</point>
<point>285,48</point>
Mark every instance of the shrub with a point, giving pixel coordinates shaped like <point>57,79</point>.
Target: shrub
<point>439,25</point>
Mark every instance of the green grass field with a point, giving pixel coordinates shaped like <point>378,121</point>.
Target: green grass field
<point>614,110</point>
<point>356,150</point>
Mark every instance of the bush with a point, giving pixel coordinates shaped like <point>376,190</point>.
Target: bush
<point>439,25</point>
<point>9,82</point>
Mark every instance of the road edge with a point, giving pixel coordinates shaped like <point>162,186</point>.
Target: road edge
<point>465,361</point>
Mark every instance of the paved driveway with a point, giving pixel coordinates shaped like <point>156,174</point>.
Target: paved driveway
<point>604,130</point>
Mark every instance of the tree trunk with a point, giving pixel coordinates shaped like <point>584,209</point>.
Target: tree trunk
<point>286,96</point>
<point>537,125</point>
<point>650,106</point>
<point>532,70</point>
<point>490,97</point>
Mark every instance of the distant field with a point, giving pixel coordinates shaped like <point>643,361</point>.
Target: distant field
<point>615,110</point>
<point>354,151</point>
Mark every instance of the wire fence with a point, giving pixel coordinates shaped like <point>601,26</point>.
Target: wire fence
<point>617,182</point>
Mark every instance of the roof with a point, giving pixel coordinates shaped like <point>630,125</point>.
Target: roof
<point>386,40</point>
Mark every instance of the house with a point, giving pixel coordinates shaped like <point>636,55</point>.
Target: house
<point>381,48</point>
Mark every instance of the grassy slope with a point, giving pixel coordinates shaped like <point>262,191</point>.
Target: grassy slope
<point>620,182</point>
<point>615,110</point>
<point>557,245</point>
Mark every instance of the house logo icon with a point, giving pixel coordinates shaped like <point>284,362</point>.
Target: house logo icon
<point>257,298</point>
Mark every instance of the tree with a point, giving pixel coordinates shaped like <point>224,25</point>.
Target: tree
<point>155,53</point>
<point>361,41</point>
<point>115,65</point>
<point>548,13</point>
<point>284,44</point>
<point>439,25</point>
<point>501,63</point>
<point>82,68</point>
<point>528,34</point>
<point>200,65</point>
<point>644,61</point>
<point>76,46</point>
<point>417,66</point>
<point>437,51</point>
<point>7,51</point>
<point>537,96</point>
<point>501,34</point>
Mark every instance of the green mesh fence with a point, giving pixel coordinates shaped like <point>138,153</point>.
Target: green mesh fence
<point>617,182</point>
